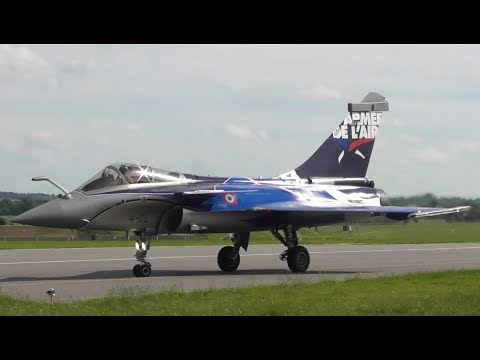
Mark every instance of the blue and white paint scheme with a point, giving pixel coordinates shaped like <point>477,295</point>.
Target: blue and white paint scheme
<point>329,187</point>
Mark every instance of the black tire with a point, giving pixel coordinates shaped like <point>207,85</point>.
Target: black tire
<point>145,271</point>
<point>227,259</point>
<point>136,270</point>
<point>298,259</point>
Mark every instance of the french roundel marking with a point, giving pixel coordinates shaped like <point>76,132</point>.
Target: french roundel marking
<point>230,199</point>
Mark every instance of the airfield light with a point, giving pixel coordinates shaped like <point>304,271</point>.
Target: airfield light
<point>51,293</point>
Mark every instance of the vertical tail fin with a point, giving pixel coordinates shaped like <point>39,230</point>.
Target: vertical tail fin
<point>346,152</point>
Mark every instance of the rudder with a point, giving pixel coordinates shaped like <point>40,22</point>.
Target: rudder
<point>346,152</point>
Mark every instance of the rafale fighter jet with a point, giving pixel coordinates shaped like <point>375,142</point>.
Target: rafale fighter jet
<point>330,187</point>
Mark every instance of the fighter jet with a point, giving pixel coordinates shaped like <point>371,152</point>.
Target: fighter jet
<point>330,187</point>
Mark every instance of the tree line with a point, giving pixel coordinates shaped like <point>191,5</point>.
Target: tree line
<point>14,203</point>
<point>430,200</point>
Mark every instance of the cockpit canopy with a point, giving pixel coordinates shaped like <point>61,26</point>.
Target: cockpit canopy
<point>126,173</point>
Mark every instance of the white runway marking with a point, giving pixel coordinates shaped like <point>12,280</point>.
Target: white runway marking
<point>396,250</point>
<point>265,254</point>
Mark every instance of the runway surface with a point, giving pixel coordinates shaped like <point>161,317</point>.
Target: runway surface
<point>88,273</point>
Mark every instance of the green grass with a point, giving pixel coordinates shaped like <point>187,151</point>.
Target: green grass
<point>423,232</point>
<point>442,293</point>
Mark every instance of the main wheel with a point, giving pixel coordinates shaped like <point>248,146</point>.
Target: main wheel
<point>136,270</point>
<point>227,259</point>
<point>298,259</point>
<point>145,270</point>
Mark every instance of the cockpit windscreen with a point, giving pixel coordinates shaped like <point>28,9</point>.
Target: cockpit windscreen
<point>126,173</point>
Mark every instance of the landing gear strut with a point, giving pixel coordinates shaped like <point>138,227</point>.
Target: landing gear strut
<point>228,258</point>
<point>298,258</point>
<point>142,244</point>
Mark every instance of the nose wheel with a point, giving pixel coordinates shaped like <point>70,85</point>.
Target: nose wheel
<point>144,270</point>
<point>142,244</point>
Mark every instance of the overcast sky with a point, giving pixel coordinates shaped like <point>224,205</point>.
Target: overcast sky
<point>66,111</point>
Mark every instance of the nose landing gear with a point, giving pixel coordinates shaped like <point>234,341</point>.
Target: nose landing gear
<point>142,244</point>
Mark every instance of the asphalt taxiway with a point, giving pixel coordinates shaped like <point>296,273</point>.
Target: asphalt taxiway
<point>95,272</point>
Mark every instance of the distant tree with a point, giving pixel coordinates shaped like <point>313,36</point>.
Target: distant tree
<point>430,200</point>
<point>14,205</point>
<point>3,221</point>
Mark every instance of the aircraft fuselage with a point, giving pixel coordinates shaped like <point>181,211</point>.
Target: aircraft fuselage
<point>192,206</point>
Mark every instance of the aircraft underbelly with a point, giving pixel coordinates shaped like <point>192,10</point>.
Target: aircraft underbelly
<point>194,222</point>
<point>208,222</point>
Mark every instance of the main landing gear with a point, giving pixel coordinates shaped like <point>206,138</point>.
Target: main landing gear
<point>142,244</point>
<point>298,258</point>
<point>228,258</point>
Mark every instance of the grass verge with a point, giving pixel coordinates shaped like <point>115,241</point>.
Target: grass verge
<point>440,293</point>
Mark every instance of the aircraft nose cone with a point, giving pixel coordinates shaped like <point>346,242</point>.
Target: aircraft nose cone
<point>49,215</point>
